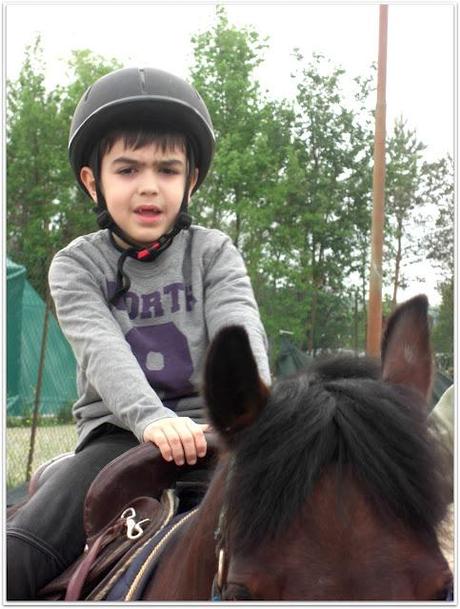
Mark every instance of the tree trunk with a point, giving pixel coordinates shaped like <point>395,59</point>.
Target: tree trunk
<point>397,265</point>
<point>355,325</point>
<point>311,335</point>
<point>236,240</point>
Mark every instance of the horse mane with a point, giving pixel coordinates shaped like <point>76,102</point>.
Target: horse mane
<point>336,412</point>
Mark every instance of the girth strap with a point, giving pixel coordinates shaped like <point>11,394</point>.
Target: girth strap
<point>79,577</point>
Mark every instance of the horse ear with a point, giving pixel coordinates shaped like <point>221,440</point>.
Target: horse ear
<point>406,348</point>
<point>233,389</point>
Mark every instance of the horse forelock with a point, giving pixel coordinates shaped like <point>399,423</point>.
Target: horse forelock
<point>335,413</point>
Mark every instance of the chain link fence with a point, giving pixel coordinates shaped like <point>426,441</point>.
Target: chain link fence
<point>50,440</point>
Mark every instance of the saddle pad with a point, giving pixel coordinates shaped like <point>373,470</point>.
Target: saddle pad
<point>131,582</point>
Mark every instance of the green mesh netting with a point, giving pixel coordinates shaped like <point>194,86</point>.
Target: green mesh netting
<point>290,359</point>
<point>15,281</point>
<point>25,319</point>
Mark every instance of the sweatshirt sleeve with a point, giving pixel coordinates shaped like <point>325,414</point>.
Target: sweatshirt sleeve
<point>229,300</point>
<point>100,347</point>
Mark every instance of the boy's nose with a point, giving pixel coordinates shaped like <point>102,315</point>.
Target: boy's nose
<point>149,184</point>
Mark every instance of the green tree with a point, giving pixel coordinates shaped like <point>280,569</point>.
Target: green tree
<point>251,132</point>
<point>360,191</point>
<point>439,245</point>
<point>248,183</point>
<point>439,238</point>
<point>33,160</point>
<point>75,209</point>
<point>330,205</point>
<point>403,202</point>
<point>443,330</point>
<point>313,225</point>
<point>45,208</point>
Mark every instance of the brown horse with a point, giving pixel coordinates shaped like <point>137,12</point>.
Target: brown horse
<point>329,485</point>
<point>330,488</point>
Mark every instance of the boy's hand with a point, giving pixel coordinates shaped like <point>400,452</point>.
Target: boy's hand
<point>178,438</point>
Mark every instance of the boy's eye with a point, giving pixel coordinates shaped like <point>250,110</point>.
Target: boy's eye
<point>125,171</point>
<point>169,171</point>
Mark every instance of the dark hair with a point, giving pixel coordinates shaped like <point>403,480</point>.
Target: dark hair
<point>138,137</point>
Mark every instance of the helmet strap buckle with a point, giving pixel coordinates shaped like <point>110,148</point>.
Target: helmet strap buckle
<point>151,252</point>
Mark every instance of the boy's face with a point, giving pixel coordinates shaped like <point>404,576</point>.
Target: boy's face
<point>143,188</point>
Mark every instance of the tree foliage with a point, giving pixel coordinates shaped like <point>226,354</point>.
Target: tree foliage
<point>333,160</point>
<point>439,243</point>
<point>438,192</point>
<point>45,208</point>
<point>252,133</point>
<point>403,202</point>
<point>291,183</point>
<point>443,330</point>
<point>33,161</point>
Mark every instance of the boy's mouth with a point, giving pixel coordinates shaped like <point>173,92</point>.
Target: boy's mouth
<point>148,212</point>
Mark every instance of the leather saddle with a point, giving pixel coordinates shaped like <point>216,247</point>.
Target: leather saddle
<point>140,471</point>
<point>129,501</point>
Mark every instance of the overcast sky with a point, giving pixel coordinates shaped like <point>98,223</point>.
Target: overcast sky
<point>421,46</point>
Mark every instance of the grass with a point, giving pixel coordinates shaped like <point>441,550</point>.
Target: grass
<point>49,442</point>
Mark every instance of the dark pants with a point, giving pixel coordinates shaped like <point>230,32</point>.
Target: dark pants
<point>46,535</point>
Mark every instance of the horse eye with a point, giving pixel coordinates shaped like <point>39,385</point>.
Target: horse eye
<point>236,592</point>
<point>445,592</point>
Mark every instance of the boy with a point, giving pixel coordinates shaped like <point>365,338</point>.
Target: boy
<point>139,301</point>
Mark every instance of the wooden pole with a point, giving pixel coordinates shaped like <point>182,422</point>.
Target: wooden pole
<point>374,315</point>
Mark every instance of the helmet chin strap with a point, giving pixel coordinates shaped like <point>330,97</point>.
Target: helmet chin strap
<point>145,254</point>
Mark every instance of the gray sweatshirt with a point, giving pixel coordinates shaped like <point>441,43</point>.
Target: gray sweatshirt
<point>142,360</point>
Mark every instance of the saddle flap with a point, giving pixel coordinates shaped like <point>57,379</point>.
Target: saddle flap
<point>140,471</point>
<point>105,546</point>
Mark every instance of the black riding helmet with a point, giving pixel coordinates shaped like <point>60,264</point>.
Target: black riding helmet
<point>140,97</point>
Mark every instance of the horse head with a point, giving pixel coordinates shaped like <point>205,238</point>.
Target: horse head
<point>333,488</point>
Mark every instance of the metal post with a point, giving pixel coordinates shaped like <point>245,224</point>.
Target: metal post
<point>38,388</point>
<point>374,316</point>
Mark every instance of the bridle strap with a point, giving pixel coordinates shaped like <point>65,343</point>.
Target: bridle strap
<point>220,536</point>
<point>218,580</point>
<point>216,591</point>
